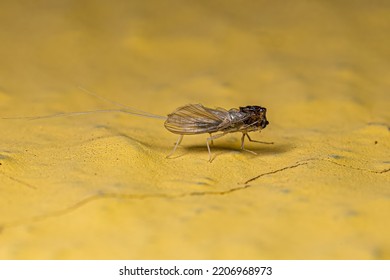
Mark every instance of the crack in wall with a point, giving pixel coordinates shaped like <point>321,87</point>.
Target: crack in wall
<point>347,166</point>
<point>358,168</point>
<point>19,181</point>
<point>275,171</point>
<point>379,124</point>
<point>95,197</point>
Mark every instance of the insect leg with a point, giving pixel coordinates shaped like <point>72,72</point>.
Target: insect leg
<point>247,135</point>
<point>242,144</point>
<point>211,138</point>
<point>177,144</point>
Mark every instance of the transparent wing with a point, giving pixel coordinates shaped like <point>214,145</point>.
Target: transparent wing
<point>196,119</point>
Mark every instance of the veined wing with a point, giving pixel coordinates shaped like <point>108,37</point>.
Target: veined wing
<point>196,119</point>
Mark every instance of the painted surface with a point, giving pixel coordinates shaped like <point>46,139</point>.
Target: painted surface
<point>99,186</point>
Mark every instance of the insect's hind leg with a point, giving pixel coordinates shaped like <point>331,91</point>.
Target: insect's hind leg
<point>211,138</point>
<point>177,144</point>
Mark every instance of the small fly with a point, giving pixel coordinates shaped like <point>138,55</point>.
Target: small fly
<point>194,119</point>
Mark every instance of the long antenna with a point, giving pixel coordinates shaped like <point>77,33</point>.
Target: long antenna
<point>126,110</point>
<point>69,114</point>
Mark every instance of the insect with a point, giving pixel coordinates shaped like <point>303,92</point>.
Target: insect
<point>194,119</point>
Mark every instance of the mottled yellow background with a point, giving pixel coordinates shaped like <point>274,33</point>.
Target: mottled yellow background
<point>99,186</point>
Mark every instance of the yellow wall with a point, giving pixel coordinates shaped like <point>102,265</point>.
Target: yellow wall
<point>99,186</point>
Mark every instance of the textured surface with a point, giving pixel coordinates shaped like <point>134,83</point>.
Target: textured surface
<point>99,186</point>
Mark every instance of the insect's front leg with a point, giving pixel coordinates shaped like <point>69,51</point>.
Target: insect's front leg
<point>242,144</point>
<point>247,135</point>
<point>211,138</point>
